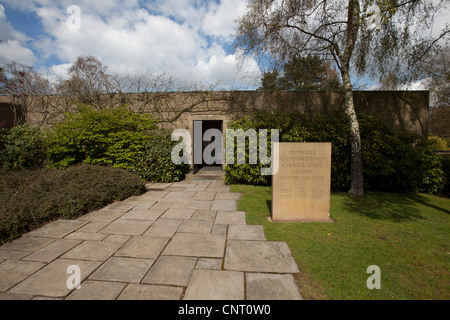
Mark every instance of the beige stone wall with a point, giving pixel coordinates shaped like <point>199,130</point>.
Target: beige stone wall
<point>405,110</point>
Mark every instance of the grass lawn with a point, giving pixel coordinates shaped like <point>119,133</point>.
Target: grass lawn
<point>406,235</point>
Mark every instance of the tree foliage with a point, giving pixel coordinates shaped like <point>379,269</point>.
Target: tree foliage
<point>372,36</point>
<point>302,73</point>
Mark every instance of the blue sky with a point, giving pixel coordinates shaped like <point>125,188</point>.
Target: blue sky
<point>190,40</point>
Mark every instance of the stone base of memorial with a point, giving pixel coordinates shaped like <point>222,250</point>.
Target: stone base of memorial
<point>301,187</point>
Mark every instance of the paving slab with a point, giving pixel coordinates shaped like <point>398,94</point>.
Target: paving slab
<point>206,195</point>
<point>196,245</point>
<point>152,195</point>
<point>245,232</point>
<point>170,270</point>
<point>219,229</point>
<point>209,264</point>
<point>266,286</point>
<point>92,250</point>
<point>163,228</point>
<point>53,250</point>
<point>150,292</point>
<point>97,290</point>
<point>56,229</point>
<point>122,269</point>
<point>143,214</point>
<point>178,213</point>
<point>86,236</point>
<point>259,256</point>
<point>228,196</point>
<point>175,188</point>
<point>14,271</point>
<point>122,206</point>
<point>14,296</point>
<point>215,285</point>
<point>197,188</point>
<point>199,204</point>
<point>196,226</point>
<point>142,247</point>
<point>163,205</point>
<point>127,227</point>
<point>229,205</point>
<point>117,238</point>
<point>101,216</point>
<point>179,196</point>
<point>27,243</point>
<point>12,255</point>
<point>230,217</point>
<point>142,205</point>
<point>93,226</point>
<point>51,281</point>
<point>159,186</point>
<point>207,215</point>
<point>218,189</point>
<point>181,184</point>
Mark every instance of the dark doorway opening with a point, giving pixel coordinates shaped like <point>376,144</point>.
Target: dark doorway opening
<point>200,144</point>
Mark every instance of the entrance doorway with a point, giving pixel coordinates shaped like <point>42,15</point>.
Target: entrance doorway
<point>200,127</point>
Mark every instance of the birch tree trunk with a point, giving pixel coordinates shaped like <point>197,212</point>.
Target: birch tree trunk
<point>357,177</point>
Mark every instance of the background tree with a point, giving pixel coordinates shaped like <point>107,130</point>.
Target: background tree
<point>88,79</point>
<point>21,82</point>
<point>302,73</point>
<point>374,37</point>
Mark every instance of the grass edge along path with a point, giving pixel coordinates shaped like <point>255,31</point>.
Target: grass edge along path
<point>406,235</point>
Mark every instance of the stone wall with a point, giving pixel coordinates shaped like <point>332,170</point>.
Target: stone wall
<point>404,110</point>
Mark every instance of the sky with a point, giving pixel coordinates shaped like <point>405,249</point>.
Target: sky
<point>190,40</point>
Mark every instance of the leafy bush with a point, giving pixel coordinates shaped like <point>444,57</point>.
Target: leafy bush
<point>117,138</point>
<point>105,137</point>
<point>30,198</point>
<point>446,168</point>
<point>295,127</point>
<point>23,147</point>
<point>155,163</point>
<point>393,161</point>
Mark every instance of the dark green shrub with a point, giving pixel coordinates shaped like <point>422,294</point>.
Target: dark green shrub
<point>30,198</point>
<point>105,137</point>
<point>21,147</point>
<point>445,160</point>
<point>154,162</point>
<point>294,127</point>
<point>393,161</point>
<point>396,161</point>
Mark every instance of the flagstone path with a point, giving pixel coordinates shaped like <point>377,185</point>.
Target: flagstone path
<point>182,240</point>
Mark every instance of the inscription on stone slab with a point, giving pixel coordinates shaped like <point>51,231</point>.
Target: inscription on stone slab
<point>301,187</point>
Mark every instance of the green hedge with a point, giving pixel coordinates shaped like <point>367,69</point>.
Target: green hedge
<point>155,163</point>
<point>30,198</point>
<point>117,138</point>
<point>393,161</point>
<point>22,147</point>
<point>110,137</point>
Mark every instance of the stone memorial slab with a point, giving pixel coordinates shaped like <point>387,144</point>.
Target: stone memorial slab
<point>301,187</point>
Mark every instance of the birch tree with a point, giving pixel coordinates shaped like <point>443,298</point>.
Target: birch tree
<point>371,37</point>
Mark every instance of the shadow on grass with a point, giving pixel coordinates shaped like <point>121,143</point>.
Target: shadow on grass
<point>269,207</point>
<point>391,206</point>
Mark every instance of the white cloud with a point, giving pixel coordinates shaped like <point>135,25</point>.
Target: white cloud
<point>219,21</point>
<point>12,50</point>
<point>151,37</point>
<point>14,43</point>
